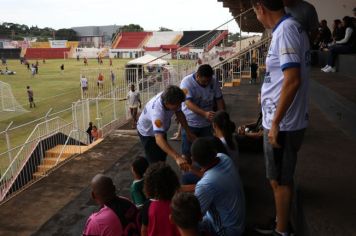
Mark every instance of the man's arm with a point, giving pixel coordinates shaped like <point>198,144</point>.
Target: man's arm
<point>220,104</point>
<point>183,121</point>
<point>291,84</point>
<point>164,145</point>
<point>194,108</point>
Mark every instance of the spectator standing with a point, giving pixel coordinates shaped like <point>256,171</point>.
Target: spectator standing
<point>284,103</point>
<point>154,122</point>
<point>110,62</point>
<point>160,185</point>
<point>202,92</point>
<point>84,84</point>
<point>90,128</point>
<point>112,76</point>
<point>30,97</point>
<point>254,68</point>
<point>134,102</point>
<point>36,66</point>
<point>85,61</point>
<point>100,81</point>
<point>33,70</point>
<point>138,169</point>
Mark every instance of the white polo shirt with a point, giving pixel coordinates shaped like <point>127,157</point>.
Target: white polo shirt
<point>289,49</point>
<point>203,97</point>
<point>84,82</point>
<point>155,118</point>
<point>133,99</point>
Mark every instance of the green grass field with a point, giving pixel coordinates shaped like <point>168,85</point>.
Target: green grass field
<point>51,90</point>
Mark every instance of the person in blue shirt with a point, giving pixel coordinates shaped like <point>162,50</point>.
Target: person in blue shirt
<point>219,191</point>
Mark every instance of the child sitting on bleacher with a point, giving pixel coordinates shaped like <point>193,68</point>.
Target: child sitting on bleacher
<point>186,214</point>
<point>160,185</point>
<point>138,169</point>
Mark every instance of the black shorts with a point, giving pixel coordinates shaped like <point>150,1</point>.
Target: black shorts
<point>281,162</point>
<point>153,153</point>
<point>30,99</point>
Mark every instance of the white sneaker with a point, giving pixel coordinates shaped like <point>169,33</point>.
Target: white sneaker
<point>325,67</point>
<point>330,69</point>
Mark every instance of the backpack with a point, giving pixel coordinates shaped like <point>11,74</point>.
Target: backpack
<point>128,215</point>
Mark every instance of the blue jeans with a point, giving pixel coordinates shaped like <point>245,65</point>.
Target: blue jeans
<point>199,132</point>
<point>336,50</point>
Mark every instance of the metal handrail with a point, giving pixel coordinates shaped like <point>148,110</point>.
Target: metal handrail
<point>66,143</point>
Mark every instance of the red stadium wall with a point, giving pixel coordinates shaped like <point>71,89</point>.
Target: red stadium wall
<point>46,53</point>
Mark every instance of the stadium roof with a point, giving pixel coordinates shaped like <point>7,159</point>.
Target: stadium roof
<point>249,22</point>
<point>147,59</point>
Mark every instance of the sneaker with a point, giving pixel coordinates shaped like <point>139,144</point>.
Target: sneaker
<point>325,67</point>
<point>266,229</point>
<point>329,69</point>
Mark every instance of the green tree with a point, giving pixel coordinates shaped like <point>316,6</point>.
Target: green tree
<point>164,29</point>
<point>131,28</point>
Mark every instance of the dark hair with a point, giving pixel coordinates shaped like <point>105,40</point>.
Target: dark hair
<point>140,166</point>
<point>203,151</point>
<point>218,145</point>
<point>274,5</point>
<point>348,22</point>
<point>160,181</point>
<point>205,70</point>
<point>324,22</point>
<point>185,210</point>
<point>223,122</point>
<point>28,87</point>
<point>173,95</point>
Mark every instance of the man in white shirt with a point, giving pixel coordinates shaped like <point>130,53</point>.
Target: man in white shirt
<point>202,93</point>
<point>284,103</point>
<point>134,102</point>
<point>84,84</point>
<point>155,121</point>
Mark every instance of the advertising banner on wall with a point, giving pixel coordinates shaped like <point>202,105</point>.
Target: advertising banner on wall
<point>58,43</point>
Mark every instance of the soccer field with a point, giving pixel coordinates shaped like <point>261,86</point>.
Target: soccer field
<point>51,90</point>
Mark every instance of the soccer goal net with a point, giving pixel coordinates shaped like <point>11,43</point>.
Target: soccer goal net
<point>8,102</point>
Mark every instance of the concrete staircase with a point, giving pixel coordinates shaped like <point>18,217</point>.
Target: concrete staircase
<point>51,156</point>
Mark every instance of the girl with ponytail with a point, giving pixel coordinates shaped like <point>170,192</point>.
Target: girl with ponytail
<point>224,129</point>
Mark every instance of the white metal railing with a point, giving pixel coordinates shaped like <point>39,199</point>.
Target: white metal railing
<point>42,131</point>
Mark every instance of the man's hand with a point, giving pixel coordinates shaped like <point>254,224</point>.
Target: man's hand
<point>241,130</point>
<point>182,163</point>
<point>273,136</point>
<point>209,115</point>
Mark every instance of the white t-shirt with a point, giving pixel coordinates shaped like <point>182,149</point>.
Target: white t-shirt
<point>84,82</point>
<point>289,49</point>
<point>133,99</point>
<point>203,97</point>
<point>155,118</point>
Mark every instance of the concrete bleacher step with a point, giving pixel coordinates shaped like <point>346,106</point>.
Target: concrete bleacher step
<point>51,156</point>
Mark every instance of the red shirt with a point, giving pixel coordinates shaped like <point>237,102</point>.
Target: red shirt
<point>155,216</point>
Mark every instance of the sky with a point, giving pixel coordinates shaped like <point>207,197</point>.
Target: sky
<point>150,14</point>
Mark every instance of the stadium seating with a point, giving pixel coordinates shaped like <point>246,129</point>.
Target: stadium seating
<point>46,53</point>
<point>132,39</point>
<point>163,38</point>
